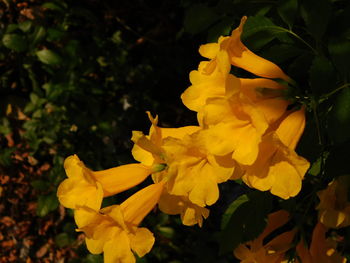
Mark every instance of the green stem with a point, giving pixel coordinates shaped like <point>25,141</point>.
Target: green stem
<point>324,97</point>
<point>302,40</point>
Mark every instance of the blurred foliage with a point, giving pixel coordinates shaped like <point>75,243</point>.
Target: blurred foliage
<point>77,77</point>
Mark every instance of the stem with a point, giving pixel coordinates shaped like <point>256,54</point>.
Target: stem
<point>302,40</point>
<point>324,97</point>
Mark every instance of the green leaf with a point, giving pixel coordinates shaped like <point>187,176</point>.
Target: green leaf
<point>256,24</point>
<point>38,35</point>
<point>287,10</point>
<point>54,34</point>
<point>63,240</point>
<point>5,127</point>
<point>246,222</point>
<point>198,18</point>
<point>46,204</point>
<point>6,156</point>
<point>231,209</point>
<point>316,14</point>
<point>53,6</point>
<point>93,259</point>
<point>338,160</point>
<point>14,42</point>
<point>339,50</point>
<point>167,232</point>
<point>222,28</point>
<point>259,30</point>
<point>49,57</point>
<point>339,126</point>
<point>322,75</point>
<point>40,185</point>
<point>25,26</point>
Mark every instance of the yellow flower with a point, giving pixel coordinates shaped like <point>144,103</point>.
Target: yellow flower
<point>234,126</point>
<point>278,168</point>
<point>206,86</point>
<point>334,207</point>
<point>240,56</point>
<point>193,171</point>
<point>190,170</point>
<point>165,147</point>
<point>148,148</point>
<point>256,251</point>
<point>113,230</point>
<point>85,187</point>
<point>322,249</point>
<point>191,214</point>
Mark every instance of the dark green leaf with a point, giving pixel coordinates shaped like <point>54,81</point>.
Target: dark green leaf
<point>322,75</point>
<point>223,28</point>
<point>6,156</point>
<point>25,26</point>
<point>246,222</point>
<point>93,259</point>
<point>38,35</point>
<point>40,185</point>
<point>316,14</point>
<point>231,209</point>
<point>49,57</point>
<point>14,42</point>
<point>46,204</point>
<point>340,53</point>
<point>259,30</point>
<point>287,10</point>
<point>54,34</point>
<point>53,6</point>
<point>256,24</point>
<point>63,240</point>
<point>339,126</point>
<point>338,160</point>
<point>198,18</point>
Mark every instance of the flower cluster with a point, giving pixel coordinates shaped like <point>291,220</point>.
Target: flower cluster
<point>246,130</point>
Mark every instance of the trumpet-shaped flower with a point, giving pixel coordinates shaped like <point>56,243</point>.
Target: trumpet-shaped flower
<point>278,168</point>
<point>256,251</point>
<point>190,170</point>
<point>322,249</point>
<point>234,126</point>
<point>113,230</point>
<point>85,187</point>
<point>334,207</point>
<point>240,56</point>
<point>194,172</point>
<point>206,86</point>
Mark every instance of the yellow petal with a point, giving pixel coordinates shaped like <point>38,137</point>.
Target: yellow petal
<point>209,50</point>
<point>206,191</point>
<point>141,155</point>
<point>179,133</point>
<point>141,241</point>
<point>194,214</point>
<point>291,128</point>
<point>118,249</point>
<point>84,216</point>
<point>141,140</point>
<point>136,207</point>
<point>242,57</point>
<point>121,178</point>
<point>94,246</point>
<point>287,181</point>
<point>74,192</point>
